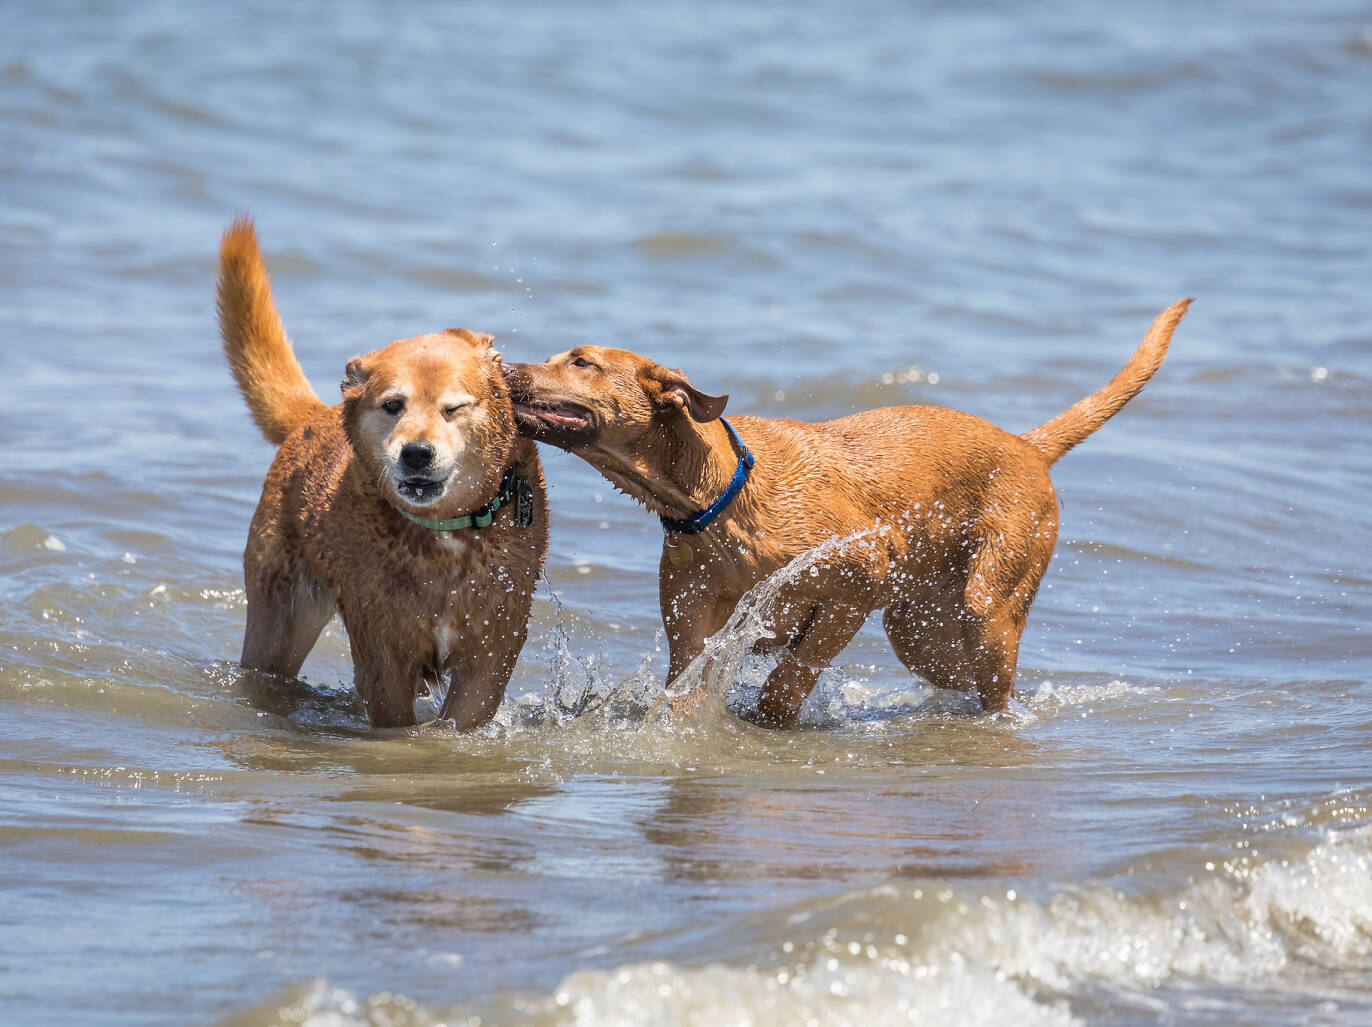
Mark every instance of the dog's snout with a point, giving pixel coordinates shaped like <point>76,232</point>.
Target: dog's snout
<point>519,381</point>
<point>417,455</point>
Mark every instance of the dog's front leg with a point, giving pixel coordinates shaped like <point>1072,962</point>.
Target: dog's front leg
<point>386,680</point>
<point>476,687</point>
<point>469,704</point>
<point>831,627</point>
<point>693,609</point>
<point>480,667</point>
<point>288,606</point>
<point>690,616</point>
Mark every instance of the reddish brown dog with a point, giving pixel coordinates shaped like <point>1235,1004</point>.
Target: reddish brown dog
<point>425,433</point>
<point>958,517</point>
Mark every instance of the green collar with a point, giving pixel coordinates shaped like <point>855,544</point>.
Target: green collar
<point>513,489</point>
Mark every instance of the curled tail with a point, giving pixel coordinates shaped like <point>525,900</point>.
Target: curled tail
<point>260,355</point>
<point>1054,438</point>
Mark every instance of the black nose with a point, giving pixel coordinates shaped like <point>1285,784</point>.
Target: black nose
<point>417,455</point>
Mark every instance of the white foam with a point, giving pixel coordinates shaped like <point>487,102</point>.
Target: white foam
<point>1049,694</point>
<point>828,992</point>
<point>934,954</point>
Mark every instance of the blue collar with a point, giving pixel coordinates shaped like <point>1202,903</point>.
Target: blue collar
<point>701,520</point>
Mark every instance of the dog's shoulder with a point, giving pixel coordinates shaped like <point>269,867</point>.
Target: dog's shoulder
<point>309,467</point>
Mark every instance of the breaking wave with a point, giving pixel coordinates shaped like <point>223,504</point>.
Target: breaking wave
<point>1293,927</point>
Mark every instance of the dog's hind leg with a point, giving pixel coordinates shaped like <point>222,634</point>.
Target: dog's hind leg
<point>286,613</point>
<point>956,650</point>
<point>830,629</point>
<point>1002,580</point>
<point>927,640</point>
<point>969,637</point>
<point>991,654</point>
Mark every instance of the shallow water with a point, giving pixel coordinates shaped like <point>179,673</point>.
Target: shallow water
<point>973,205</point>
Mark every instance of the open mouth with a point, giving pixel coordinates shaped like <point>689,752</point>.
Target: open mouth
<point>566,418</point>
<point>420,490</point>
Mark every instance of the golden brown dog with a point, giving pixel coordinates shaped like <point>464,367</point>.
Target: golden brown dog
<point>957,518</point>
<point>413,508</point>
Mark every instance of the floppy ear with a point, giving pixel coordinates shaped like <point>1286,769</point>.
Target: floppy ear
<point>480,340</point>
<point>355,376</point>
<point>678,392</point>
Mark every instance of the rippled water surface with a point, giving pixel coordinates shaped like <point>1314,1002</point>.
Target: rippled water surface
<point>814,208</point>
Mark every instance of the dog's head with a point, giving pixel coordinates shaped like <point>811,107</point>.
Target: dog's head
<point>593,397</point>
<point>430,420</point>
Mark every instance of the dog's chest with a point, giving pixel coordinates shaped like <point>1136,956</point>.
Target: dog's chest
<point>461,628</point>
<point>464,599</point>
<point>444,636</point>
<point>454,544</point>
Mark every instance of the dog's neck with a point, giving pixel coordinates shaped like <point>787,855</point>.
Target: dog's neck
<point>676,470</point>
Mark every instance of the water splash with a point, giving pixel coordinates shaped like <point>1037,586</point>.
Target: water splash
<point>576,687</point>
<point>575,683</point>
<point>577,690</point>
<point>723,662</point>
<point>724,680</point>
<point>721,685</point>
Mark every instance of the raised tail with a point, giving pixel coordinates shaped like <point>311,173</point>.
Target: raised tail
<point>1054,438</point>
<point>263,363</point>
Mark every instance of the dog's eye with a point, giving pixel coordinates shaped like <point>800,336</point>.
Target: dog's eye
<point>451,410</point>
<point>582,362</point>
<point>393,406</point>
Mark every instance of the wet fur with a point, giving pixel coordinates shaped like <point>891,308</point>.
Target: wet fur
<point>328,536</point>
<point>965,514</point>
